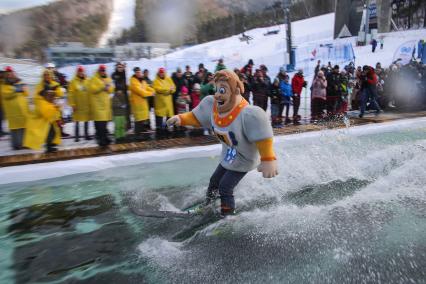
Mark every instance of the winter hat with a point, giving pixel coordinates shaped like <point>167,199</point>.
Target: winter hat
<point>196,87</point>
<point>80,68</point>
<point>201,65</point>
<point>102,67</point>
<point>184,90</point>
<point>161,70</point>
<point>8,69</point>
<point>136,69</point>
<point>250,62</point>
<point>336,67</point>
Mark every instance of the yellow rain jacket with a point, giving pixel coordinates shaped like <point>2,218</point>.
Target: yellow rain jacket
<point>139,92</point>
<point>38,124</point>
<point>15,106</point>
<point>164,89</point>
<point>78,99</point>
<point>53,85</point>
<point>100,100</point>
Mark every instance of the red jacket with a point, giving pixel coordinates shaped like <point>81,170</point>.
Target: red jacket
<point>297,84</point>
<point>372,77</point>
<point>195,99</point>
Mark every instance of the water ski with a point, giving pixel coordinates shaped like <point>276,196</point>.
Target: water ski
<point>196,209</point>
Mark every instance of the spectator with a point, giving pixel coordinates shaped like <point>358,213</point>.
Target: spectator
<point>15,104</point>
<point>287,95</point>
<point>373,44</point>
<point>119,113</point>
<point>164,90</point>
<point>100,87</point>
<point>333,91</point>
<point>297,83</point>
<point>120,83</point>
<point>319,96</point>
<point>183,100</point>
<point>220,65</point>
<point>280,77</point>
<point>317,68</point>
<point>140,92</point>
<point>179,81</point>
<point>42,126</point>
<point>78,99</point>
<point>247,80</point>
<point>189,78</point>
<point>276,101</point>
<point>149,82</point>
<point>248,68</point>
<point>260,90</point>
<point>369,90</point>
<point>2,74</point>
<point>208,86</point>
<point>201,74</point>
<point>196,95</point>
<point>343,100</point>
<point>62,81</point>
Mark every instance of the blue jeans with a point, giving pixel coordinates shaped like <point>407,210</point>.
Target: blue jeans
<point>224,181</point>
<point>369,94</point>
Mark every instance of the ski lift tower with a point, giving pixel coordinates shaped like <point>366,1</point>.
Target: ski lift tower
<point>291,52</point>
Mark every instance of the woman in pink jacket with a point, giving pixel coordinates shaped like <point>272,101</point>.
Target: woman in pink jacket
<point>319,94</point>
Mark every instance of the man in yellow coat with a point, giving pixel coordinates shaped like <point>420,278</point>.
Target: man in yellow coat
<point>100,87</point>
<point>164,89</point>
<point>78,99</point>
<point>140,92</point>
<point>15,104</point>
<point>42,126</point>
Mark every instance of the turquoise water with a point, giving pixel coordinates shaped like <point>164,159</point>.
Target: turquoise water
<point>344,209</point>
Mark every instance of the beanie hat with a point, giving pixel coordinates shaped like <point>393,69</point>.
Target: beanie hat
<point>196,86</point>
<point>136,69</point>
<point>184,90</point>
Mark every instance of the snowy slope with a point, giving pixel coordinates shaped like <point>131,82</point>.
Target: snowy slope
<point>268,50</point>
<point>122,17</point>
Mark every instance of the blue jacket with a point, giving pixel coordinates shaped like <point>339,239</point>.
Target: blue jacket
<point>286,89</point>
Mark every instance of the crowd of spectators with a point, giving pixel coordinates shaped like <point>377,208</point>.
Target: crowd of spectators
<point>334,91</point>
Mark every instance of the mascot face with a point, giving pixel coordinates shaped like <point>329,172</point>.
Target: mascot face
<point>228,89</point>
<point>224,98</point>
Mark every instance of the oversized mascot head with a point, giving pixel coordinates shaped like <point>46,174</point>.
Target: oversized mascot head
<point>228,90</point>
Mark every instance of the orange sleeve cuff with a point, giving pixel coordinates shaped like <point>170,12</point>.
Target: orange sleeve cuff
<point>189,119</point>
<point>266,149</point>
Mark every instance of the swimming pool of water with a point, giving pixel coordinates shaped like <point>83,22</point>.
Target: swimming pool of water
<point>349,206</point>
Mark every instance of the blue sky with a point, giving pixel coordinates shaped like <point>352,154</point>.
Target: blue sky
<point>11,5</point>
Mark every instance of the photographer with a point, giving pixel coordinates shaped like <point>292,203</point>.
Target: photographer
<point>42,127</point>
